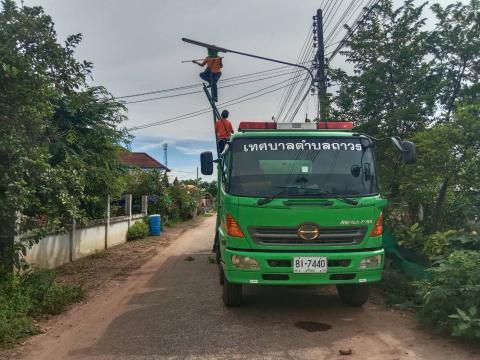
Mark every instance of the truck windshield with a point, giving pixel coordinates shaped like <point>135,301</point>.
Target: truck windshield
<point>302,167</point>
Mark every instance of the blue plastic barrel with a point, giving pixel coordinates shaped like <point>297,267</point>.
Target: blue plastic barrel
<point>155,224</point>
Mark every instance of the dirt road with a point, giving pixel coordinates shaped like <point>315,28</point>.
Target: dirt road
<point>171,308</point>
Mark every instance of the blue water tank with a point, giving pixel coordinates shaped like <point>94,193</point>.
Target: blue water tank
<point>155,224</point>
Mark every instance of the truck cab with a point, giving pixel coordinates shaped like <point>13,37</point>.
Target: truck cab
<point>299,204</point>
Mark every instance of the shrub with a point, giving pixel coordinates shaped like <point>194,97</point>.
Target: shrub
<point>398,290</point>
<point>450,295</point>
<point>138,230</point>
<point>23,298</point>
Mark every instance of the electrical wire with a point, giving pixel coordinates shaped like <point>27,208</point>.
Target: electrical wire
<point>276,69</point>
<point>200,91</point>
<point>335,27</point>
<point>232,102</point>
<point>301,58</point>
<point>289,92</point>
<point>331,16</point>
<point>371,4</point>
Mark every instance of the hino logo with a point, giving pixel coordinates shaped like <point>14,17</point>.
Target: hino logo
<point>308,232</point>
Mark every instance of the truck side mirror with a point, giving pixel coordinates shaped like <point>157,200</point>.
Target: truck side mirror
<point>206,163</point>
<point>407,148</point>
<point>409,153</point>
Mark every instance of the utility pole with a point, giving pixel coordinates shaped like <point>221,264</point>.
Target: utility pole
<point>165,154</point>
<point>197,176</point>
<point>320,76</point>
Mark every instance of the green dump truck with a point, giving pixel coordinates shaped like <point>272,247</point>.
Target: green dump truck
<point>299,204</point>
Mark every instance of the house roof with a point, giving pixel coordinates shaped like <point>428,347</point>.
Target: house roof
<point>142,160</point>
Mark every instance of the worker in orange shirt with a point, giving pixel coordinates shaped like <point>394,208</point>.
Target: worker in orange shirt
<point>223,130</point>
<point>213,71</point>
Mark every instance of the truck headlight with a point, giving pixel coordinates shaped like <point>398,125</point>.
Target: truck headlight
<point>371,262</point>
<point>244,262</point>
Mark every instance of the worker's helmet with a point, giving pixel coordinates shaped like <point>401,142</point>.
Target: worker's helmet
<point>212,52</point>
<point>225,114</point>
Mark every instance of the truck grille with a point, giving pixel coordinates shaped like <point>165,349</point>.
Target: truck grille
<point>268,235</point>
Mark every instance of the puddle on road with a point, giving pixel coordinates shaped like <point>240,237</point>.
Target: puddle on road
<point>312,326</point>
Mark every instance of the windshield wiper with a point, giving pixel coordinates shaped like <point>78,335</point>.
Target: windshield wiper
<point>285,189</point>
<point>347,200</point>
<point>269,198</point>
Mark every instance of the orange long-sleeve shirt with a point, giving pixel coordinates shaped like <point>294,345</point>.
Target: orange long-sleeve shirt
<point>214,63</point>
<point>223,128</point>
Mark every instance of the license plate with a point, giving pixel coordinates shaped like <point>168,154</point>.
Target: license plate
<point>310,264</point>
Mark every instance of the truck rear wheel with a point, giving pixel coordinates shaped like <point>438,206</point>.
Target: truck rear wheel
<point>354,294</point>
<point>232,293</point>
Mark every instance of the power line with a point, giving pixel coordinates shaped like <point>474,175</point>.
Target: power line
<point>330,17</point>
<point>371,4</point>
<point>300,58</point>
<point>232,102</point>
<point>199,84</point>
<point>305,54</point>
<point>348,10</point>
<point>297,101</point>
<point>200,91</point>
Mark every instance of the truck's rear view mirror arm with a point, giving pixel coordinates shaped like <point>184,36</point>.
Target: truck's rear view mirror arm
<point>407,148</point>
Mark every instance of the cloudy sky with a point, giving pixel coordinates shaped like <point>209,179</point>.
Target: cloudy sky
<point>136,47</point>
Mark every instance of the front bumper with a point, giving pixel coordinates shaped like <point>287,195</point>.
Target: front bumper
<point>284,275</point>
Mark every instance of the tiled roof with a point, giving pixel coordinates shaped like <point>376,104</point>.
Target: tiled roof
<point>142,160</point>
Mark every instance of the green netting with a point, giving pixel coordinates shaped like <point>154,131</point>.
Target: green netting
<point>412,269</point>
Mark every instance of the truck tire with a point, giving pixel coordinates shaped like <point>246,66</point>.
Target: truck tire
<point>218,255</point>
<point>221,276</point>
<point>232,293</point>
<point>354,294</point>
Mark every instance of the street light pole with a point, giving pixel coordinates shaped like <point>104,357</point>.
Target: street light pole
<point>222,49</point>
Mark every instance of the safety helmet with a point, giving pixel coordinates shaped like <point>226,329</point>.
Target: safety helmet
<point>212,52</point>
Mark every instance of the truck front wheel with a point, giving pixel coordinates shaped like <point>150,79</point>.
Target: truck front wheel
<point>232,293</point>
<point>353,294</point>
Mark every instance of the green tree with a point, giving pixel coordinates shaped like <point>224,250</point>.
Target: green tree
<point>455,45</point>
<point>390,92</point>
<point>58,136</point>
<point>151,183</point>
<point>448,171</point>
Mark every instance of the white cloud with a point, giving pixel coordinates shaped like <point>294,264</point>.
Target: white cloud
<point>191,150</point>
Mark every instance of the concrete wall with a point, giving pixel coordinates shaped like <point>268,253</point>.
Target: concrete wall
<point>50,252</point>
<point>56,250</point>
<point>89,240</point>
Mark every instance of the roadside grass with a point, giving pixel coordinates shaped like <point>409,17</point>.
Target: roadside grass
<point>398,290</point>
<point>99,254</point>
<point>30,297</point>
<point>38,294</point>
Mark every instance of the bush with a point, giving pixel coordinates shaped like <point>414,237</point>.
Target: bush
<point>138,230</point>
<point>450,295</point>
<point>24,298</point>
<point>398,290</point>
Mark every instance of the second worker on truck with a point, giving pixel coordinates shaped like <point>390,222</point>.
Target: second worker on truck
<point>223,130</point>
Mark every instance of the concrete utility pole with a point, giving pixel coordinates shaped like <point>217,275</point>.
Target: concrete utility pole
<point>165,153</point>
<point>320,76</point>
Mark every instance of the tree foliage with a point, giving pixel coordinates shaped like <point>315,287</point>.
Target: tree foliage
<point>422,85</point>
<point>58,135</point>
